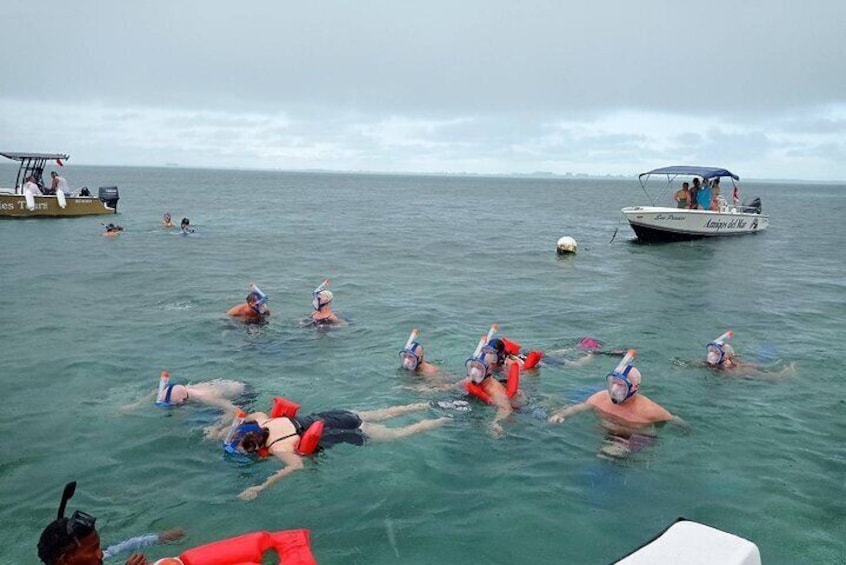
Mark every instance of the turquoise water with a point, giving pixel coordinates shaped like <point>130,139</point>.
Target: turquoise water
<point>89,322</point>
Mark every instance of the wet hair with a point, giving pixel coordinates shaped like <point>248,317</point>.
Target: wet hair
<point>54,541</point>
<point>253,441</point>
<point>185,222</point>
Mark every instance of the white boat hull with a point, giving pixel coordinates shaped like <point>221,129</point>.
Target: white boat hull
<point>652,223</point>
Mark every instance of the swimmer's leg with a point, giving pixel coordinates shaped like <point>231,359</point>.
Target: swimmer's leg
<point>378,432</point>
<point>392,412</point>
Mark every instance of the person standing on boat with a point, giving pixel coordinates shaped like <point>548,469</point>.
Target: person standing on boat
<point>703,199</point>
<point>32,185</point>
<point>682,196</point>
<point>59,183</point>
<point>694,193</point>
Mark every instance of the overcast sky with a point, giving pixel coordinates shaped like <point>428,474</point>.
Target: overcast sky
<point>489,86</point>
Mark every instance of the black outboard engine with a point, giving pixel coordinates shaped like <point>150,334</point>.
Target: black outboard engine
<point>109,196</point>
<point>751,206</point>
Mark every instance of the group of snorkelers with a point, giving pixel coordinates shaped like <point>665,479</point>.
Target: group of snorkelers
<point>255,309</point>
<point>184,225</point>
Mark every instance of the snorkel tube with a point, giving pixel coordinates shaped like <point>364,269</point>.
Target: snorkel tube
<point>715,353</point>
<point>620,388</point>
<point>164,380</point>
<point>315,294</point>
<point>408,357</point>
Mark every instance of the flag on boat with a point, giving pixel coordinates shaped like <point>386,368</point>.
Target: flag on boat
<point>59,162</point>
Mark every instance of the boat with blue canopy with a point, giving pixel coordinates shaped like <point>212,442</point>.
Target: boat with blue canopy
<point>710,215</point>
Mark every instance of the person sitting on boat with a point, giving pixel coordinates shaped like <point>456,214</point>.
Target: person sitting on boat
<point>254,307</point>
<point>717,201</point>
<point>185,226</point>
<point>59,183</point>
<point>703,198</point>
<point>694,193</point>
<point>167,220</point>
<point>112,230</point>
<point>31,185</point>
<point>682,196</point>
<point>280,436</point>
<point>621,402</point>
<point>321,302</point>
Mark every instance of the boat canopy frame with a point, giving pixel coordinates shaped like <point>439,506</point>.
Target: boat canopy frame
<point>32,164</point>
<point>705,173</point>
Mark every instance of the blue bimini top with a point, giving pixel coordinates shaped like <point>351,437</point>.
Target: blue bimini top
<point>704,172</point>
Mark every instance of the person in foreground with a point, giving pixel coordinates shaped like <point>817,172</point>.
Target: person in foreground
<point>281,436</point>
<point>254,307</point>
<point>321,302</point>
<point>621,402</point>
<point>75,540</point>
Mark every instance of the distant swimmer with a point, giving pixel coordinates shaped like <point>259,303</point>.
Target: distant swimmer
<point>582,353</point>
<point>321,300</point>
<point>185,227</point>
<point>254,306</point>
<point>720,356</point>
<point>620,403</point>
<point>112,230</point>
<point>167,221</point>
<point>480,381</point>
<point>217,393</point>
<point>289,437</point>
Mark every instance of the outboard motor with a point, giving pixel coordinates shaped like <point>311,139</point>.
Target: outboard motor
<point>752,206</point>
<point>109,196</point>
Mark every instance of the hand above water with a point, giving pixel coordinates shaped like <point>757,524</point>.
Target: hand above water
<point>137,559</point>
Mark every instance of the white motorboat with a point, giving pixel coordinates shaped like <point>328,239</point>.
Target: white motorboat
<point>670,223</point>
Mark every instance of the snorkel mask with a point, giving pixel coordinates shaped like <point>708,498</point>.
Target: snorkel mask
<point>320,296</point>
<point>479,366</point>
<point>55,540</point>
<point>260,304</point>
<point>620,386</point>
<point>239,429</point>
<point>412,354</point>
<point>715,353</point>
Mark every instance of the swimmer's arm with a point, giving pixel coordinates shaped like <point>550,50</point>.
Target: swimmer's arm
<point>142,542</point>
<point>563,413</point>
<point>145,400</point>
<point>293,462</point>
<point>503,410</point>
<point>217,402</point>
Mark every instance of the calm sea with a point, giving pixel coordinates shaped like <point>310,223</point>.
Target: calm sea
<point>89,322</point>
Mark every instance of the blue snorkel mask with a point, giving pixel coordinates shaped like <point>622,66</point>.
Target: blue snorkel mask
<point>231,445</point>
<point>620,388</point>
<point>409,357</point>
<point>164,400</point>
<point>481,366</point>
<point>715,354</point>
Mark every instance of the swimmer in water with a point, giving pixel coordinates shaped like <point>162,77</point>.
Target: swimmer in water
<point>720,356</point>
<point>411,358</point>
<point>112,230</point>
<point>254,307</point>
<point>167,221</point>
<point>581,354</point>
<point>185,226</point>
<point>217,393</point>
<point>321,302</point>
<point>280,436</point>
<point>480,370</point>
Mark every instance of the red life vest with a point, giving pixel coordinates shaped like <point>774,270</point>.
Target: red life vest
<point>292,546</point>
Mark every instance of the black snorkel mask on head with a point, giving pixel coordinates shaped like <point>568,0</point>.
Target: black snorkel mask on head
<point>80,524</point>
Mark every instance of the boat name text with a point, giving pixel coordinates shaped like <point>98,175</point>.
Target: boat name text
<point>735,224</point>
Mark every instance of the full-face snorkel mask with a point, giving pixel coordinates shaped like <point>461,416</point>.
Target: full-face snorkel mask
<point>620,388</point>
<point>412,354</point>
<point>320,297</point>
<point>715,353</point>
<point>480,365</point>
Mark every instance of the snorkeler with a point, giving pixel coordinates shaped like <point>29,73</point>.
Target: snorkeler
<point>283,436</point>
<point>481,383</point>
<point>720,356</point>
<point>321,302</point>
<point>620,401</point>
<point>185,226</point>
<point>254,307</point>
<point>218,393</point>
<point>112,230</point>
<point>581,354</point>
<point>167,221</point>
<point>411,357</point>
<point>75,540</point>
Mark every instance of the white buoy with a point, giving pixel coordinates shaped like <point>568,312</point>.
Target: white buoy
<point>567,245</point>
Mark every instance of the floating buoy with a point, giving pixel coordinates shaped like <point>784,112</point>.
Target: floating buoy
<point>567,245</point>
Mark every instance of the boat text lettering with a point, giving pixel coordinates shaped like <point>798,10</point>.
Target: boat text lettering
<point>735,224</point>
<point>671,217</point>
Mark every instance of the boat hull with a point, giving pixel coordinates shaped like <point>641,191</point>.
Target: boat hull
<point>673,224</point>
<point>15,206</point>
